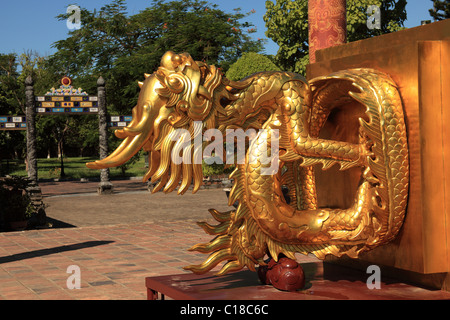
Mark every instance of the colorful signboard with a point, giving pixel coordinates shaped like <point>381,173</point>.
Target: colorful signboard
<point>20,122</point>
<point>13,123</point>
<point>66,104</point>
<point>65,100</point>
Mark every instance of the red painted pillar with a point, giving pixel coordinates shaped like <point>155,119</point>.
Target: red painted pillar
<point>327,23</point>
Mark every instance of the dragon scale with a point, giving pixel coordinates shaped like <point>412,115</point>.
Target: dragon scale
<point>277,212</point>
<point>269,225</point>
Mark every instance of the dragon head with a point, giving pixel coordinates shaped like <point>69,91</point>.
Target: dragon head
<point>180,94</point>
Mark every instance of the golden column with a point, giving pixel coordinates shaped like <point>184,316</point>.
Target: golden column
<point>327,25</point>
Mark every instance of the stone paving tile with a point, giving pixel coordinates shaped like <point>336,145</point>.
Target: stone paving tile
<point>115,248</point>
<point>113,260</point>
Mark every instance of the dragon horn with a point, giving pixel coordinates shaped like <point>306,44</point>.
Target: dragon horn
<point>128,148</point>
<point>135,138</point>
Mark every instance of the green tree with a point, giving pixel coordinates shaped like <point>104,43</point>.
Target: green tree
<point>11,100</point>
<point>441,10</point>
<point>54,132</point>
<point>44,77</point>
<point>12,143</point>
<point>249,63</point>
<point>287,25</point>
<point>121,48</point>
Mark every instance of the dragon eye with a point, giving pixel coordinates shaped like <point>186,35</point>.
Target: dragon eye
<point>176,60</point>
<point>183,105</point>
<point>174,84</point>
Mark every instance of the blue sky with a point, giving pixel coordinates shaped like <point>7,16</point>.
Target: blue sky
<point>31,25</point>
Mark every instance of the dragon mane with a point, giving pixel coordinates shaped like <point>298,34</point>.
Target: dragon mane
<point>209,102</point>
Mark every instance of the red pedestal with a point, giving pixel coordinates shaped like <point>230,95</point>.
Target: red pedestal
<point>323,282</point>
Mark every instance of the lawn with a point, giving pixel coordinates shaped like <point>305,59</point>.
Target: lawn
<point>74,168</point>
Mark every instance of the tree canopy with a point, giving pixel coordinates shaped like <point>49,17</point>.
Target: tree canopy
<point>11,99</point>
<point>11,103</point>
<point>287,25</point>
<point>121,48</point>
<point>441,10</point>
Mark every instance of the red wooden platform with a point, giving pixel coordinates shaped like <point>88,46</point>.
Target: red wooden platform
<point>332,282</point>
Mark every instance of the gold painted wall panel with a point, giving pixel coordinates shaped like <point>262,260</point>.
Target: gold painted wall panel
<point>435,31</point>
<point>432,154</point>
<point>445,89</point>
<point>421,70</point>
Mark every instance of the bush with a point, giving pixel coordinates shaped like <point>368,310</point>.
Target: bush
<point>15,203</point>
<point>248,64</point>
<point>215,169</point>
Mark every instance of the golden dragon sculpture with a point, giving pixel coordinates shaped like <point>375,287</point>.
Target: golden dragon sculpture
<point>291,111</point>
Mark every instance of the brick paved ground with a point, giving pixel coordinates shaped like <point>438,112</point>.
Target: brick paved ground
<point>119,240</point>
<point>78,204</point>
<point>113,260</point>
<point>116,241</point>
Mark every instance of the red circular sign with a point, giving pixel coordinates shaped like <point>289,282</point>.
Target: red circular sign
<point>66,81</point>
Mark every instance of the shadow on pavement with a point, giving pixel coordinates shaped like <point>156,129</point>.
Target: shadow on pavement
<point>44,252</point>
<point>59,224</point>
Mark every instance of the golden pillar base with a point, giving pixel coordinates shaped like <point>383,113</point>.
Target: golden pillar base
<point>418,60</point>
